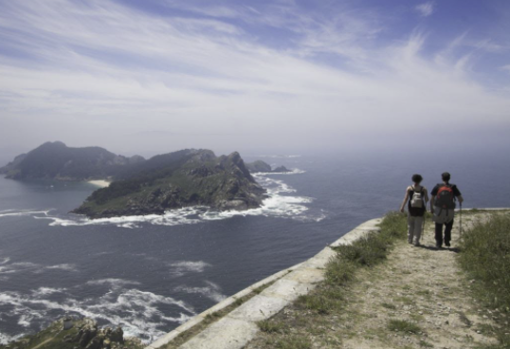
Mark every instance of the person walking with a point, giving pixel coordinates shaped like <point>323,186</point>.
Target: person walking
<point>442,207</point>
<point>416,197</point>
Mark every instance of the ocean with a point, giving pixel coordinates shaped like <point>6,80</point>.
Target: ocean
<point>149,274</point>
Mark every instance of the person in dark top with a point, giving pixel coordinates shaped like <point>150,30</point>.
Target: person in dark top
<point>442,207</point>
<point>417,197</point>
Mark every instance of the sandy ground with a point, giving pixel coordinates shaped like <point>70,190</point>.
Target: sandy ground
<point>419,285</point>
<point>99,183</point>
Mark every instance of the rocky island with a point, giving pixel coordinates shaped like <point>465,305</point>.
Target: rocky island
<point>175,180</point>
<point>184,178</point>
<point>260,166</point>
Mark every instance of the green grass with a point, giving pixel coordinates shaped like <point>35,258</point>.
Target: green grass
<point>316,302</point>
<point>270,326</point>
<point>403,326</point>
<point>486,259</point>
<point>389,306</point>
<point>295,342</point>
<point>366,252</point>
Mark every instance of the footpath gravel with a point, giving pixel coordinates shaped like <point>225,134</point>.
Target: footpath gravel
<point>420,286</point>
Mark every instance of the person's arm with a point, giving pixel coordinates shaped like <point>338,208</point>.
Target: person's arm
<point>460,198</point>
<point>433,194</point>
<point>426,195</point>
<point>405,200</point>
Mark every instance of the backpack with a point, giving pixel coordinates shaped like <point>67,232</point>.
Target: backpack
<point>445,197</point>
<point>417,199</point>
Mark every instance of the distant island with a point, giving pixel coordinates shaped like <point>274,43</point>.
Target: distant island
<point>184,178</point>
<point>55,160</point>
<point>260,166</point>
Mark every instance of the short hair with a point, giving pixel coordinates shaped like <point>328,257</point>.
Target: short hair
<point>445,176</point>
<point>417,178</point>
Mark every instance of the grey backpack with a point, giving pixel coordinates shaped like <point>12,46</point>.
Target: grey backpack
<point>417,198</point>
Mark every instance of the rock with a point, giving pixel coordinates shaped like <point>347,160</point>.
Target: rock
<point>258,166</point>
<point>67,323</point>
<point>281,169</point>
<point>117,335</point>
<point>95,343</point>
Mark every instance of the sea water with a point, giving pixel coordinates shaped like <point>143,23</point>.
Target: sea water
<point>149,274</point>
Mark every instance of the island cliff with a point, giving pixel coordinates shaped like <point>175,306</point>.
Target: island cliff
<point>175,180</point>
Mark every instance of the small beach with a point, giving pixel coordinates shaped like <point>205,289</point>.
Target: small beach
<point>101,183</point>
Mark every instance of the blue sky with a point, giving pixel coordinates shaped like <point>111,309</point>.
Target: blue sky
<point>256,76</point>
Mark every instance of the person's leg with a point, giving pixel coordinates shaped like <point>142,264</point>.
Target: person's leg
<point>410,231</point>
<point>448,233</point>
<point>439,235</point>
<point>418,225</point>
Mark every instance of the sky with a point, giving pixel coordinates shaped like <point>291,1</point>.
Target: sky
<point>256,76</point>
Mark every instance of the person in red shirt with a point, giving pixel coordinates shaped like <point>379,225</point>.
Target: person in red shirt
<point>442,207</point>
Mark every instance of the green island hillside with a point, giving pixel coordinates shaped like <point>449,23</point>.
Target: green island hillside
<point>175,180</point>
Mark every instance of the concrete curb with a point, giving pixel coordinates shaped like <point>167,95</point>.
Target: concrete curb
<point>237,328</point>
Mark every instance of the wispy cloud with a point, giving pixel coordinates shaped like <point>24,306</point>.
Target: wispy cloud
<point>425,9</point>
<point>104,68</point>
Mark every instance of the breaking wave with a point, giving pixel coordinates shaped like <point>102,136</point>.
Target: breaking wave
<point>280,203</point>
<point>136,311</point>
<point>7,268</point>
<point>15,213</point>
<point>211,291</point>
<point>183,267</point>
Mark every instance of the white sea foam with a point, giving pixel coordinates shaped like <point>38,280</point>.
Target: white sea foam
<point>15,213</point>
<point>211,291</point>
<point>294,171</point>
<point>9,268</point>
<point>136,311</point>
<point>44,291</point>
<point>114,283</point>
<point>64,266</point>
<point>183,267</point>
<point>5,338</point>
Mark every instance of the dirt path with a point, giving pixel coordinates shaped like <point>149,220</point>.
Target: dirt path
<point>418,298</point>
